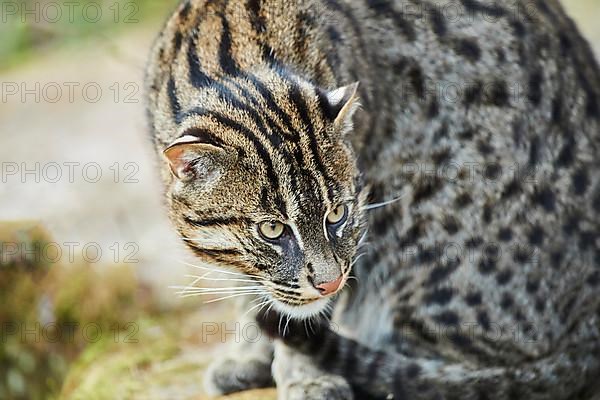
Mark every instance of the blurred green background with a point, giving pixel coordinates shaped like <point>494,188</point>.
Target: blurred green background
<point>31,28</point>
<point>104,42</point>
<point>23,37</point>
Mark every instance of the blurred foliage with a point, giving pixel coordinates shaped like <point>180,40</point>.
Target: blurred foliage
<point>49,312</point>
<point>72,331</point>
<point>30,27</point>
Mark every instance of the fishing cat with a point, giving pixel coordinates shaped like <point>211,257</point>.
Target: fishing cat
<point>440,158</point>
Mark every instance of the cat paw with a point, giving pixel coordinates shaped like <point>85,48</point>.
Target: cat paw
<point>229,375</point>
<point>326,387</point>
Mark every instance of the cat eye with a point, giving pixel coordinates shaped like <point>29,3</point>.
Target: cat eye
<point>338,214</point>
<point>271,230</point>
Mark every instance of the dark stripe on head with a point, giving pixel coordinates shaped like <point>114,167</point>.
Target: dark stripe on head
<point>229,97</point>
<point>267,131</point>
<point>177,42</point>
<point>297,99</point>
<point>197,77</point>
<point>272,104</point>
<point>274,128</point>
<point>173,100</point>
<point>215,221</point>
<point>219,252</point>
<point>260,149</point>
<point>226,60</point>
<point>223,256</point>
<point>303,23</point>
<point>204,136</point>
<point>258,22</point>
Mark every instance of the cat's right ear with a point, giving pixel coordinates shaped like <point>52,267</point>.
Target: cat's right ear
<point>339,105</point>
<point>191,158</point>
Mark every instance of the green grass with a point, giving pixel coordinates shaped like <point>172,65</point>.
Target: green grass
<point>31,28</point>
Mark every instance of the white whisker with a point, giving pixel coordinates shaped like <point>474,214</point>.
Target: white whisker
<point>279,324</point>
<point>216,270</point>
<point>228,297</point>
<point>187,294</point>
<point>260,309</point>
<point>270,306</point>
<point>204,278</point>
<point>286,324</point>
<point>261,305</point>
<point>191,285</point>
<point>357,258</point>
<point>383,204</point>
<point>216,290</point>
<point>202,292</point>
<point>363,237</point>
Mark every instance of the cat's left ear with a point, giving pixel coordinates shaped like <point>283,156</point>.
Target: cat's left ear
<point>194,158</point>
<point>339,105</point>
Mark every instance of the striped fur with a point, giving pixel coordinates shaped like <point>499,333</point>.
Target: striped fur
<point>485,201</point>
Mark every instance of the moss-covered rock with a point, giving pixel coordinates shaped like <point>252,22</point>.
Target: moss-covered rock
<point>167,362</point>
<point>50,312</point>
<point>76,332</point>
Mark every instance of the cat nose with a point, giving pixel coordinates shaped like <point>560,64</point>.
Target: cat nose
<point>329,287</point>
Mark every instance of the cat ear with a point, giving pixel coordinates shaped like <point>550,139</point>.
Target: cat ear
<point>340,104</point>
<point>191,157</point>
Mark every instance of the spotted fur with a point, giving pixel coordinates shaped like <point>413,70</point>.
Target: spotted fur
<point>484,129</point>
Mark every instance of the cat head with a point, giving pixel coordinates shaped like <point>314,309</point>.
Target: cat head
<point>269,186</point>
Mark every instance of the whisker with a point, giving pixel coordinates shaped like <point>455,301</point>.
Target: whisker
<point>218,270</point>
<point>191,285</point>
<point>271,301</point>
<point>286,324</point>
<point>305,327</point>
<point>363,237</point>
<point>202,293</point>
<point>212,294</point>
<point>262,304</point>
<point>357,258</point>
<point>230,289</point>
<point>363,245</point>
<point>279,324</point>
<point>383,204</point>
<point>228,297</point>
<point>270,306</point>
<point>204,278</point>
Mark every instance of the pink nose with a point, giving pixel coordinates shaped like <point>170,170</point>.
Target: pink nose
<point>330,287</point>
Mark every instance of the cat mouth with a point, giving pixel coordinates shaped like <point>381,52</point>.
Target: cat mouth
<point>309,307</point>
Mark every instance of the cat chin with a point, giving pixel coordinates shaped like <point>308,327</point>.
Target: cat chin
<point>305,311</point>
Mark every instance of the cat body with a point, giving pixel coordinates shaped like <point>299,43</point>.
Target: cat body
<point>467,181</point>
